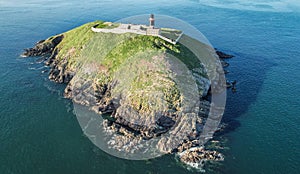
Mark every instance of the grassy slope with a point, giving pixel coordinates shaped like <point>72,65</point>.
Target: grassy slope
<point>78,39</point>
<point>73,43</point>
<point>82,46</point>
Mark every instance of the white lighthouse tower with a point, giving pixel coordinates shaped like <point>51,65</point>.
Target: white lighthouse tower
<point>151,21</point>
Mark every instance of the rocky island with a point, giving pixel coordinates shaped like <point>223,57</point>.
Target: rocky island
<point>149,83</point>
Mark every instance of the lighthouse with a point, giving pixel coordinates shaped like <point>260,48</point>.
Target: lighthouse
<point>151,30</point>
<point>151,21</point>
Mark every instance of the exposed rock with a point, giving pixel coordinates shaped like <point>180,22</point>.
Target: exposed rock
<point>226,71</point>
<point>224,64</point>
<point>43,47</point>
<point>223,55</point>
<point>231,85</point>
<point>166,122</point>
<point>228,84</point>
<point>130,125</point>
<point>196,156</point>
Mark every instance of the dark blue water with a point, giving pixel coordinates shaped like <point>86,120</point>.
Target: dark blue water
<point>39,132</point>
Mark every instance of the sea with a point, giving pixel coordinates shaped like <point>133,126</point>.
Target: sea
<point>39,133</point>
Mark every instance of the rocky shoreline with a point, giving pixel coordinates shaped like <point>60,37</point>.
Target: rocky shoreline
<point>42,47</point>
<point>197,156</point>
<point>97,97</point>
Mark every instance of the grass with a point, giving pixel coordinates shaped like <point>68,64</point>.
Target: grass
<point>113,52</point>
<point>143,83</point>
<point>142,43</point>
<point>73,43</point>
<point>79,38</point>
<point>187,57</point>
<point>149,93</point>
<point>107,25</point>
<point>170,33</point>
<point>126,49</point>
<point>76,38</point>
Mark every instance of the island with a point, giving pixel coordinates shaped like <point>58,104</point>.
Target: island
<point>148,82</point>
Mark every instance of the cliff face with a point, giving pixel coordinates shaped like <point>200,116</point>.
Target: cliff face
<point>149,87</point>
<point>43,47</point>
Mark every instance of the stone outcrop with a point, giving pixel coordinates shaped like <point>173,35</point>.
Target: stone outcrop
<point>223,55</point>
<point>43,47</point>
<point>196,156</point>
<point>179,131</point>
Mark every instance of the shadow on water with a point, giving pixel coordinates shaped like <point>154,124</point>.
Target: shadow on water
<point>250,72</point>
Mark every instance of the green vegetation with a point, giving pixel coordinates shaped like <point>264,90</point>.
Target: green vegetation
<point>149,93</point>
<point>128,48</point>
<point>106,25</point>
<point>107,57</point>
<point>80,38</point>
<point>76,39</point>
<point>70,48</point>
<point>100,24</point>
<point>170,33</point>
<point>172,97</point>
<point>142,43</point>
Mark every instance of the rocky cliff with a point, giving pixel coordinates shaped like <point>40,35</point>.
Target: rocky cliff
<point>149,87</point>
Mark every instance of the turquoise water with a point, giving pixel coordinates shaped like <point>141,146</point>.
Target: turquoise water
<point>40,134</point>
